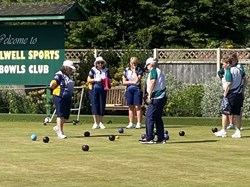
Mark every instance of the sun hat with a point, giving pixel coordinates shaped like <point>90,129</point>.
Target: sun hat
<point>69,63</point>
<point>150,60</point>
<point>98,59</point>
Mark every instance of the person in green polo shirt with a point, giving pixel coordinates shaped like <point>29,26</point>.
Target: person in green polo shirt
<point>156,99</point>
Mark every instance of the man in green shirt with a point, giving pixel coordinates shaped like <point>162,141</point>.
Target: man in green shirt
<point>156,99</point>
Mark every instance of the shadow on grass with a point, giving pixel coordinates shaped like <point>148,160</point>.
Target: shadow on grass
<point>101,135</point>
<point>245,136</point>
<point>195,141</point>
<point>143,127</point>
<point>246,129</point>
<point>177,126</point>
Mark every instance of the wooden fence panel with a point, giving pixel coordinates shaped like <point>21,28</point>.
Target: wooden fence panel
<point>189,66</point>
<point>192,73</point>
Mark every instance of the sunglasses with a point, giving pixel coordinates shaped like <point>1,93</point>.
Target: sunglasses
<point>100,62</point>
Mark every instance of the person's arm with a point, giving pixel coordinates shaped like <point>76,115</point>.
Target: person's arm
<point>152,84</point>
<point>227,88</point>
<point>136,76</point>
<point>91,78</point>
<point>55,82</point>
<point>139,74</point>
<point>151,87</point>
<point>228,79</point>
<point>221,73</point>
<point>125,80</point>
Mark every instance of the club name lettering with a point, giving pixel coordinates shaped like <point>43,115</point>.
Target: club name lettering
<point>44,54</point>
<point>32,55</point>
<point>12,55</point>
<point>21,69</point>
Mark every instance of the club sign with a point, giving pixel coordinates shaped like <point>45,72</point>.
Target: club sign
<point>30,55</point>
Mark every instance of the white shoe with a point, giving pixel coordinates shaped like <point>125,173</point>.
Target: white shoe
<point>241,129</point>
<point>230,126</point>
<point>138,125</point>
<point>237,134</point>
<point>56,129</point>
<point>222,133</point>
<point>101,125</point>
<point>61,136</point>
<point>95,126</point>
<point>130,126</point>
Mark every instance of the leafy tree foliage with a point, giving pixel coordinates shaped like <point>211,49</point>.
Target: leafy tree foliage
<point>150,24</point>
<point>161,24</point>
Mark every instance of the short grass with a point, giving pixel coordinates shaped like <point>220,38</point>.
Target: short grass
<point>196,159</point>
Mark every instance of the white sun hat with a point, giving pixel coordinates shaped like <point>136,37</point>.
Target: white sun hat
<point>99,59</point>
<point>151,60</point>
<point>69,63</point>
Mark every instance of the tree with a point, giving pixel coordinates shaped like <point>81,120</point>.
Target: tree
<point>151,24</point>
<point>205,23</point>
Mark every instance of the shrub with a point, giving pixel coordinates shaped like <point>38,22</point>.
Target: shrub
<point>213,93</point>
<point>211,100</point>
<point>32,103</point>
<point>246,104</point>
<point>183,100</point>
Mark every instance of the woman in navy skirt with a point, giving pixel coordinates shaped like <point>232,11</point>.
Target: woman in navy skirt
<point>99,82</point>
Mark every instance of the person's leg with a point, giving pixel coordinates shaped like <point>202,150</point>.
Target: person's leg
<point>237,133</point>
<point>65,111</point>
<point>102,101</point>
<point>129,95</point>
<point>241,111</point>
<point>59,107</point>
<point>231,122</point>
<point>224,122</point>
<point>138,108</point>
<point>238,122</point>
<point>103,95</point>
<point>150,120</point>
<point>95,108</point>
<point>131,112</point>
<point>237,115</point>
<point>139,116</point>
<point>96,121</point>
<point>91,99</point>
<point>59,123</point>
<point>159,103</point>
<point>100,119</point>
<point>96,118</point>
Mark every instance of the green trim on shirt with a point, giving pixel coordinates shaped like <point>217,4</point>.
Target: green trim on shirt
<point>157,93</point>
<point>228,74</point>
<point>153,74</point>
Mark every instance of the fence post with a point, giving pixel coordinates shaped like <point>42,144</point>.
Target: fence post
<point>154,53</point>
<point>95,53</point>
<point>218,59</point>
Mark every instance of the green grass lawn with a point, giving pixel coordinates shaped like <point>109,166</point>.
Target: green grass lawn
<point>196,159</point>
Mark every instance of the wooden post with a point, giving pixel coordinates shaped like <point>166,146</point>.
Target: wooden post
<point>218,59</point>
<point>95,53</point>
<point>155,53</point>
